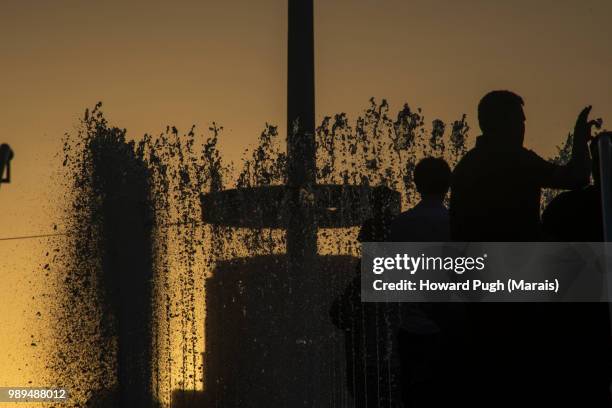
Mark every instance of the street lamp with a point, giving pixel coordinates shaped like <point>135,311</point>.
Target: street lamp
<point>6,155</point>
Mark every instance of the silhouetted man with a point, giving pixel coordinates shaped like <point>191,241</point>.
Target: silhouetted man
<point>429,333</point>
<point>496,187</point>
<point>516,350</point>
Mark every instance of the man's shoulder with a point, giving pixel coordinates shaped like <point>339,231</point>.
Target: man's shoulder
<point>473,154</point>
<point>472,158</point>
<point>529,154</point>
<point>567,202</point>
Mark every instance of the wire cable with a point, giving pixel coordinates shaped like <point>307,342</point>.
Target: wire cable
<point>60,234</point>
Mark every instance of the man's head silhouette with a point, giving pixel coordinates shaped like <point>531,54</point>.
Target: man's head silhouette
<point>432,178</point>
<point>500,114</point>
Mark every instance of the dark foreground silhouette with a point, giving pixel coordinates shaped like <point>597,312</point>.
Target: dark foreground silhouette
<point>576,216</point>
<point>429,334</point>
<point>526,354</point>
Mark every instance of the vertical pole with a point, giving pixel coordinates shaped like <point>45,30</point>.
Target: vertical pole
<point>300,93</point>
<point>301,151</point>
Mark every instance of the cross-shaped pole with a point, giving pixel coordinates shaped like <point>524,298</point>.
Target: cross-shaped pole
<point>301,206</point>
<point>272,313</point>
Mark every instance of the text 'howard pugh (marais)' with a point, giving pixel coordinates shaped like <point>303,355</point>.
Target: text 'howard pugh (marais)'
<point>467,286</point>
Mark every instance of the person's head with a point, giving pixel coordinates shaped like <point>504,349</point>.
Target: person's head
<point>500,113</point>
<point>432,178</point>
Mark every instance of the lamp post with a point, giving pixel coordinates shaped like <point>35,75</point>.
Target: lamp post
<point>6,155</point>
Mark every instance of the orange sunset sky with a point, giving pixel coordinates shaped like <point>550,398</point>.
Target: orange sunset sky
<point>190,62</point>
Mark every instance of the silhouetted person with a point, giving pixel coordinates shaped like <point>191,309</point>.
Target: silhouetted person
<point>372,374</point>
<point>428,221</point>
<point>576,216</point>
<point>496,186</point>
<point>429,334</point>
<point>516,349</point>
